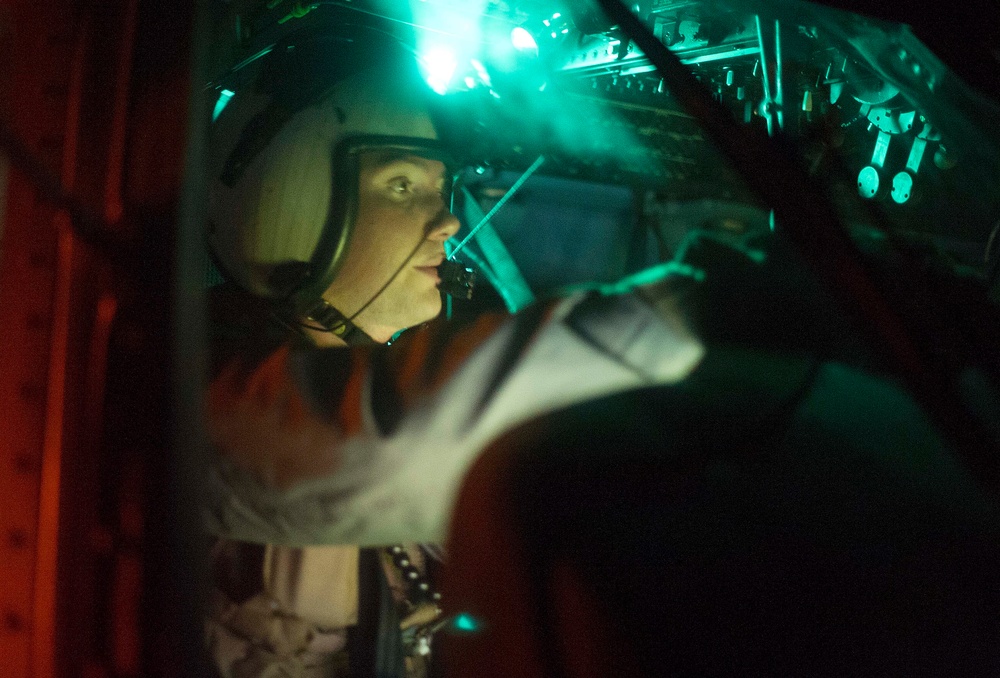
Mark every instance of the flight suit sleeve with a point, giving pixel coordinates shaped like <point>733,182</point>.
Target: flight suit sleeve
<point>373,478</point>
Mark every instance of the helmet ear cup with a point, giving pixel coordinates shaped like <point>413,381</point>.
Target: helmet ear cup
<point>288,277</point>
<point>334,241</point>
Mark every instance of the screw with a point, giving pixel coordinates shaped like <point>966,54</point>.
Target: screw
<point>13,622</point>
<point>17,538</point>
<point>24,464</point>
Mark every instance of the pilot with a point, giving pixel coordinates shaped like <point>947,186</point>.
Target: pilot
<point>280,608</point>
<point>328,216</point>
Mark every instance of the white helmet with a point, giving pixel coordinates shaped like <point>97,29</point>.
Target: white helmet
<point>284,157</point>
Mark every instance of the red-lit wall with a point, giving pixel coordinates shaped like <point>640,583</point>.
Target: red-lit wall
<point>83,105</point>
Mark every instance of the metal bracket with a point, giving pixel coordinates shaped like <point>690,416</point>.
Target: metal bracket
<point>772,107</point>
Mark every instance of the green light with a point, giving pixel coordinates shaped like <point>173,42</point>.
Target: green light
<point>465,622</point>
<point>522,40</point>
<point>439,66</point>
<point>484,77</point>
<point>223,101</point>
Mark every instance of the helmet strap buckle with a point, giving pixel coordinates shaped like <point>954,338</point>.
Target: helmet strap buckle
<point>337,323</point>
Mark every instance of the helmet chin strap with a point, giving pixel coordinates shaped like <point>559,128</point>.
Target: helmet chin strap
<point>333,321</point>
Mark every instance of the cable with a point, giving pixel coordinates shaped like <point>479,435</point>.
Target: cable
<point>500,203</point>
<point>403,22</point>
<point>88,226</point>
<point>389,281</point>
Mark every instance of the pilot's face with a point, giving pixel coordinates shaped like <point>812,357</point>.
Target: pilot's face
<point>401,225</point>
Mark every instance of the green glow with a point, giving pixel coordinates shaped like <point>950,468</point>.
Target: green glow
<point>439,66</point>
<point>522,40</point>
<point>484,76</point>
<point>223,101</point>
<point>646,276</point>
<point>465,622</point>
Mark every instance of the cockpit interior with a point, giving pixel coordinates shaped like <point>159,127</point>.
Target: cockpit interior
<point>823,174</point>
